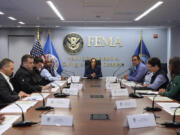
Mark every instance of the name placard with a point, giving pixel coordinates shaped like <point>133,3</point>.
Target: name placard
<point>140,120</point>
<point>72,92</point>
<point>131,103</point>
<point>78,86</point>
<point>75,79</point>
<point>119,92</point>
<point>58,103</point>
<point>110,86</point>
<point>56,120</point>
<point>111,79</point>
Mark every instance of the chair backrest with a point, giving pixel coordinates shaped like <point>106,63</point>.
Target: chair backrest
<point>164,67</point>
<point>87,63</point>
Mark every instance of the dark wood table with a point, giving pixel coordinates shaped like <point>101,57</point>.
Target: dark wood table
<point>83,106</point>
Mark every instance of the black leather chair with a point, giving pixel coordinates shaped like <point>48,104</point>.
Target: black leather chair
<point>164,67</point>
<point>87,63</point>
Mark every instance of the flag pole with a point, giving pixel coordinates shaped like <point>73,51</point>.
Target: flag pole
<point>49,32</point>
<point>38,36</point>
<point>141,45</point>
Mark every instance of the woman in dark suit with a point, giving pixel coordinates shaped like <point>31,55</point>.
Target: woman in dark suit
<point>93,71</point>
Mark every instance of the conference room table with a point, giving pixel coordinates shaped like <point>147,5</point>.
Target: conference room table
<point>81,108</point>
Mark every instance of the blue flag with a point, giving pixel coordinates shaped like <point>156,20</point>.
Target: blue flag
<point>142,51</point>
<point>50,51</point>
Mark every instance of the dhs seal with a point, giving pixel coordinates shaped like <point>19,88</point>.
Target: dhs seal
<point>73,43</point>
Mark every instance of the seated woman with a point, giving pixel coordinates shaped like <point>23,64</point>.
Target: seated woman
<point>93,71</point>
<point>48,71</point>
<point>173,90</point>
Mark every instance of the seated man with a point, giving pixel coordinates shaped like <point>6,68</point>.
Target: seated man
<point>7,93</point>
<point>25,80</point>
<point>38,66</point>
<point>49,73</point>
<point>93,71</point>
<point>159,79</point>
<point>139,72</point>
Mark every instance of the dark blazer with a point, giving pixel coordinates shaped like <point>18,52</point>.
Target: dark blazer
<point>40,79</point>
<point>26,81</point>
<point>89,71</point>
<point>7,96</point>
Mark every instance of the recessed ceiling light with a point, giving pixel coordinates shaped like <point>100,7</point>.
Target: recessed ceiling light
<point>21,23</point>
<point>149,10</point>
<point>1,13</point>
<point>57,26</point>
<point>56,11</point>
<point>12,18</point>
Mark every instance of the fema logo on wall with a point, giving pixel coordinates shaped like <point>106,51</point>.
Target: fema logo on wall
<point>73,43</point>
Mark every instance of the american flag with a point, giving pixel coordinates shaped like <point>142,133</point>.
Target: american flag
<point>37,49</point>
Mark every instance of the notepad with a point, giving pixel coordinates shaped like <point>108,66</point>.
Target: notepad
<point>170,107</point>
<point>36,96</point>
<point>13,108</point>
<point>161,98</point>
<point>9,119</point>
<point>147,92</point>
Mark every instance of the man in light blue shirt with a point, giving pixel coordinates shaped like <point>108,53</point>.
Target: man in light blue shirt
<point>139,72</point>
<point>48,72</point>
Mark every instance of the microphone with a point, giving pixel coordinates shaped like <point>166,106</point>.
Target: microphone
<point>60,94</point>
<point>152,109</point>
<point>135,95</point>
<point>117,69</point>
<point>123,72</point>
<point>43,107</point>
<point>23,123</point>
<point>122,85</point>
<point>173,124</point>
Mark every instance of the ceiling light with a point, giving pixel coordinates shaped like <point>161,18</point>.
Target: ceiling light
<point>1,13</point>
<point>53,7</point>
<point>12,18</point>
<point>149,10</point>
<point>21,23</point>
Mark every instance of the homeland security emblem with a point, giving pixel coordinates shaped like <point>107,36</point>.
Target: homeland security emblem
<point>73,43</point>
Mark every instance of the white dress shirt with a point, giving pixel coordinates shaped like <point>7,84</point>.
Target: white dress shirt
<point>8,80</point>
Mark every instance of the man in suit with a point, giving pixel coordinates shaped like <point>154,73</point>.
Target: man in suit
<point>139,72</point>
<point>25,80</point>
<point>93,71</point>
<point>38,66</point>
<point>7,93</point>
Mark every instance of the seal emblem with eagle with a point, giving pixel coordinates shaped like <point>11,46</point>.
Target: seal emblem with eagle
<point>73,43</point>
